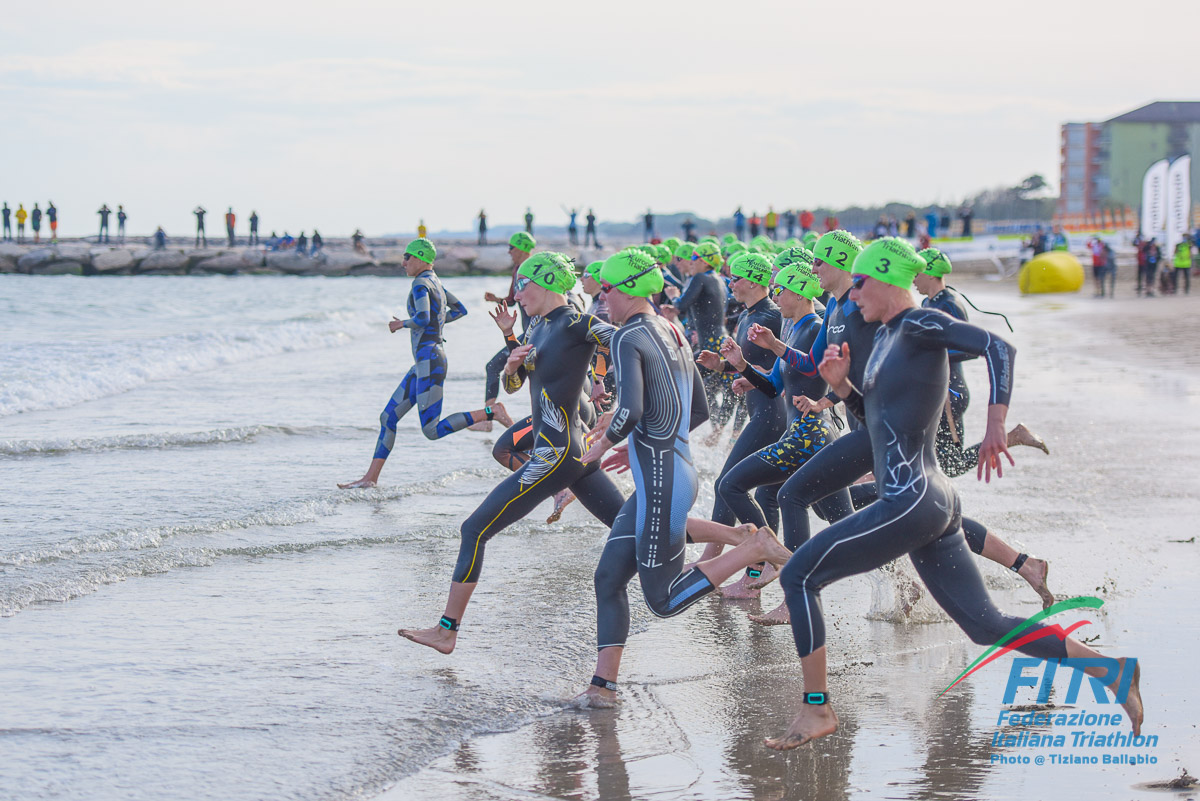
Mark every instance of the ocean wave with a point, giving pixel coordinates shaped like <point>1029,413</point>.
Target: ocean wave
<point>41,376</point>
<point>220,436</point>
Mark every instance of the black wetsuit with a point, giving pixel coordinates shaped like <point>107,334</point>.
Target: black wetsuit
<point>826,476</point>
<point>702,305</point>
<point>659,400</point>
<point>564,342</point>
<point>495,366</point>
<point>953,457</point>
<point>804,436</point>
<point>918,512</point>
<point>767,414</point>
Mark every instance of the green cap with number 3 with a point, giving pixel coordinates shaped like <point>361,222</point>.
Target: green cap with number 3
<point>838,249</point>
<point>891,260</point>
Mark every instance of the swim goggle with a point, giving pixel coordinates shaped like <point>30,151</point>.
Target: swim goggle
<point>629,282</point>
<point>775,291</point>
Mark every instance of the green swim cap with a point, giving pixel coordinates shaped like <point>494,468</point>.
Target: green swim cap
<point>810,240</point>
<point>790,242</point>
<point>937,261</point>
<point>593,269</point>
<point>553,271</point>
<point>761,240</point>
<point>672,243</point>
<point>633,273</point>
<point>732,249</point>
<point>648,249</point>
<point>664,254</point>
<point>709,253</point>
<point>891,260</point>
<point>422,249</point>
<point>799,280</point>
<point>753,267</point>
<point>729,239</point>
<point>710,238</point>
<point>685,250</point>
<point>522,241</point>
<point>838,249</point>
<point>794,256</point>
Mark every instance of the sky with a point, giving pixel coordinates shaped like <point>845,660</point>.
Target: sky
<point>349,114</point>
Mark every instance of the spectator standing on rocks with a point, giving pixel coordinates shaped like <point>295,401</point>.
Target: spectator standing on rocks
<point>253,228</point>
<point>529,220</point>
<point>648,220</point>
<point>160,239</point>
<point>831,223</point>
<point>52,216</point>
<point>772,223</point>
<point>965,214</point>
<point>789,223</point>
<point>199,211</point>
<point>103,212</point>
<point>318,242</point>
<point>230,222</point>
<point>807,220</point>
<point>482,228</point>
<point>121,218</point>
<point>590,231</point>
<point>22,215</point>
<point>689,230</point>
<point>755,222</point>
<point>35,222</point>
<point>739,224</point>
<point>302,244</point>
<point>572,229</point>
<point>356,239</point>
<point>6,212</point>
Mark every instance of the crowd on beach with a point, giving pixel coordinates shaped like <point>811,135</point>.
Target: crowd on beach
<point>625,358</point>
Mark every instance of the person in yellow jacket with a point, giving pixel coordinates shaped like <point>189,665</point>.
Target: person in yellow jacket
<point>1183,264</point>
<point>771,222</point>
<point>21,215</point>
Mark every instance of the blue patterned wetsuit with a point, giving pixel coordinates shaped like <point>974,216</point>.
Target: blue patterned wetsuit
<point>430,307</point>
<point>659,400</point>
<point>805,435</point>
<point>903,390</point>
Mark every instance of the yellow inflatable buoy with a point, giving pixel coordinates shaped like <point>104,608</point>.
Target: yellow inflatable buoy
<point>1056,271</point>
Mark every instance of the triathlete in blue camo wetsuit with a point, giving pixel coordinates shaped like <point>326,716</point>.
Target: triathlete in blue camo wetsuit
<point>918,513</point>
<point>659,400</point>
<point>555,359</point>
<point>430,307</point>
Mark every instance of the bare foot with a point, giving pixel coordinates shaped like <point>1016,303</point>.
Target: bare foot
<point>908,592</point>
<point>482,425</point>
<point>779,616</point>
<point>1035,571</point>
<point>501,414</point>
<point>561,501</point>
<point>738,591</point>
<point>813,722</point>
<point>362,483</point>
<point>439,639</point>
<point>1133,701</point>
<point>746,530</point>
<point>769,574</point>
<point>772,549</point>
<point>1023,436</point>
<point>596,698</point>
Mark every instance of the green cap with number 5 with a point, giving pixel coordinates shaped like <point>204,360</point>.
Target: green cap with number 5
<point>891,260</point>
<point>838,249</point>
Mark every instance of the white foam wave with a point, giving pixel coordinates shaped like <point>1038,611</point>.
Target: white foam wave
<point>44,376</point>
<point>27,447</point>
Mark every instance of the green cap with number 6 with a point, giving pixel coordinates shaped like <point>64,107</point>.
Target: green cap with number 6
<point>838,249</point>
<point>891,260</point>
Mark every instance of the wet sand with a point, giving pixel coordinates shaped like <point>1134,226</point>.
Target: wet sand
<point>1114,387</point>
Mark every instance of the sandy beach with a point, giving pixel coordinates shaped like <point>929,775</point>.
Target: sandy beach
<point>192,611</point>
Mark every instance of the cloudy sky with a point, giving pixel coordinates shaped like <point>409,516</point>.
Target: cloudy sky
<point>352,114</point>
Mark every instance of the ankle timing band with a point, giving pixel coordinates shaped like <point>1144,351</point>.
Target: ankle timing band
<point>488,411</point>
<point>1016,566</point>
<point>448,623</point>
<point>604,683</point>
<point>817,699</point>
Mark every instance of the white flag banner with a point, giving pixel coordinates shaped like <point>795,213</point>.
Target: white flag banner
<point>1154,201</point>
<point>1179,201</point>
